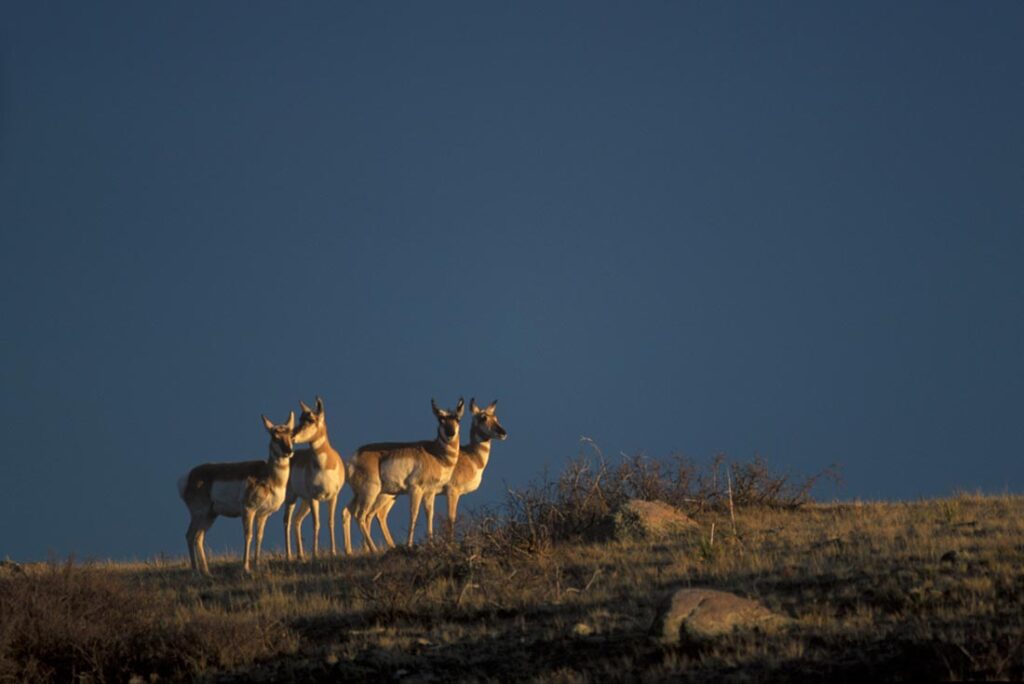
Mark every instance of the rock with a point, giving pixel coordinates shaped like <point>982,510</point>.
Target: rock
<point>949,557</point>
<point>696,615</point>
<point>649,519</point>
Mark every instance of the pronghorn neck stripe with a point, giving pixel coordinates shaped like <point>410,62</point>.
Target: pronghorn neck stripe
<point>477,454</point>
<point>483,448</point>
<point>319,441</point>
<point>450,450</point>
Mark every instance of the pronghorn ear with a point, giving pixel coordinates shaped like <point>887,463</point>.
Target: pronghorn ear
<point>490,409</point>
<point>319,405</point>
<point>460,408</point>
<point>433,407</point>
<point>305,409</point>
<point>267,423</point>
<point>474,409</point>
<point>291,420</point>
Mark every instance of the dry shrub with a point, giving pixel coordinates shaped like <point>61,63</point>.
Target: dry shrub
<point>66,622</point>
<point>591,488</point>
<point>429,579</point>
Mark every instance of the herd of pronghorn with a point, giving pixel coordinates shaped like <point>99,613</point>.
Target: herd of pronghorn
<point>377,474</point>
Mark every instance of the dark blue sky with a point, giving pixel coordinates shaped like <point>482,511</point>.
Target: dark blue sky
<point>789,229</point>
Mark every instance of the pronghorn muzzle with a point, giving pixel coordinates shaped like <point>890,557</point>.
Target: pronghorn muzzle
<point>449,431</point>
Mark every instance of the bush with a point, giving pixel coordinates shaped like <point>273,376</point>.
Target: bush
<point>590,489</point>
<point>67,622</point>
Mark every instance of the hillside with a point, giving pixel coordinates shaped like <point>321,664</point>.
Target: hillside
<point>876,590</point>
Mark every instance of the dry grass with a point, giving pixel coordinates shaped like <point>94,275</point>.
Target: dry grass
<point>577,504</point>
<point>872,588</point>
<point>66,622</point>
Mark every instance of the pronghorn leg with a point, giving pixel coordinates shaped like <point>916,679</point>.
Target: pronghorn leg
<point>375,513</point>
<point>299,517</point>
<point>260,524</point>
<point>364,515</point>
<point>346,528</point>
<point>363,505</point>
<point>314,505</point>
<point>200,543</point>
<point>364,527</point>
<point>247,522</point>
<point>428,503</point>
<point>366,545</point>
<point>380,512</point>
<point>289,509</point>
<point>415,498</point>
<point>190,540</point>
<point>453,505</point>
<point>201,550</point>
<point>382,518</point>
<point>332,505</point>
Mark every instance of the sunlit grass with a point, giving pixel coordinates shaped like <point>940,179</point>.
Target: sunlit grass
<point>887,589</point>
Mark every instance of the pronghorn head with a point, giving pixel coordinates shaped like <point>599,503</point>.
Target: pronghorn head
<point>311,422</point>
<point>448,421</point>
<point>485,421</point>
<point>282,446</point>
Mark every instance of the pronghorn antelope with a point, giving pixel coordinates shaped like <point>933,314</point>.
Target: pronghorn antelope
<point>469,469</point>
<point>318,474</point>
<point>250,489</point>
<point>380,472</point>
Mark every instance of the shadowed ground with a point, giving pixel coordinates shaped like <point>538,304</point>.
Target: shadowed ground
<point>876,590</point>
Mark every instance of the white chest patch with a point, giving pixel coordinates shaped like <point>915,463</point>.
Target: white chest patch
<point>272,502</point>
<point>325,484</point>
<point>314,480</point>
<point>474,482</point>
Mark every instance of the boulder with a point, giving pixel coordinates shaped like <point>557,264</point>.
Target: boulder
<point>697,615</point>
<point>649,520</point>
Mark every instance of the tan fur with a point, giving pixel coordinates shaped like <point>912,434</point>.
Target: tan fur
<point>203,476</point>
<point>468,472</point>
<point>380,472</point>
<point>251,490</point>
<point>317,474</point>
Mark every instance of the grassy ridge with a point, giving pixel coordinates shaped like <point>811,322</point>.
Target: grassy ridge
<point>878,590</point>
